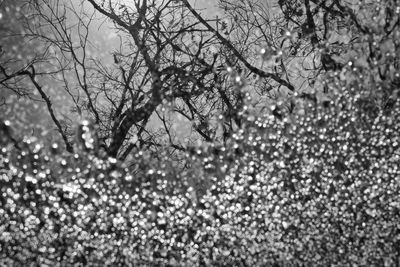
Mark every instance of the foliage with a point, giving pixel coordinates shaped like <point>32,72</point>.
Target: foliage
<point>318,188</point>
<point>306,178</point>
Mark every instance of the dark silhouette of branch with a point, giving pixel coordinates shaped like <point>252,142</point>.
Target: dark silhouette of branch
<point>228,44</point>
<point>32,77</point>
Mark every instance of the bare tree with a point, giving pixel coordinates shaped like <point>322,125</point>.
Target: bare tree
<point>175,62</point>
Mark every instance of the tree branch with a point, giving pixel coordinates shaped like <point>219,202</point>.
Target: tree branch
<point>228,44</point>
<point>32,76</point>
